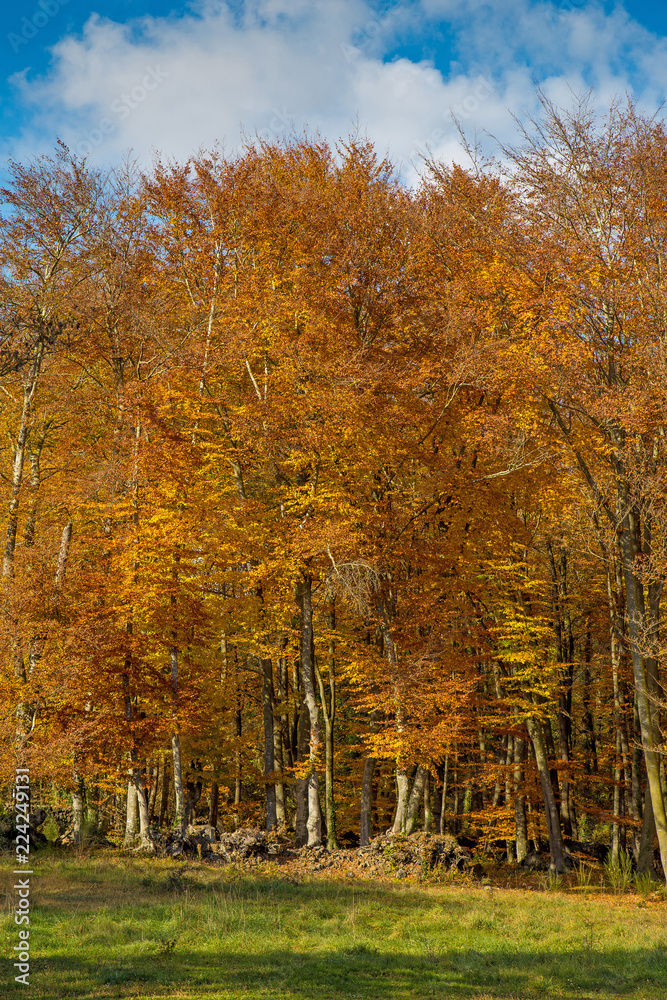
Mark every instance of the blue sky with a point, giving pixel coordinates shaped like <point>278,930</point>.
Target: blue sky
<point>114,75</point>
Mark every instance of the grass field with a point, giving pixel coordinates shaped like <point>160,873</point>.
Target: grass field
<point>107,926</point>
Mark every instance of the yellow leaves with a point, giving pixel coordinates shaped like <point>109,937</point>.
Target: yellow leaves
<point>291,365</point>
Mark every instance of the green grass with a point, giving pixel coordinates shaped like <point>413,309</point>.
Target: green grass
<point>107,926</point>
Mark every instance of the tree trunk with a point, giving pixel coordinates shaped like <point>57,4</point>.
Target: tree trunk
<point>590,742</point>
<point>403,787</point>
<point>428,814</point>
<point>645,856</point>
<point>77,810</point>
<point>281,694</point>
<point>194,790</point>
<point>238,732</point>
<point>565,659</point>
<point>443,800</point>
<point>616,630</point>
<point>402,779</point>
<point>521,827</point>
<point>616,804</point>
<point>536,734</point>
<point>314,823</point>
<point>642,625</point>
<point>457,797</point>
<point>551,757</point>
<point>29,390</point>
<point>366,820</point>
<point>131,816</point>
<point>498,787</point>
<point>467,800</point>
<point>414,800</point>
<point>269,762</point>
<point>179,797</point>
<point>145,840</point>
<point>329,713</point>
<point>213,805</point>
<point>301,754</point>
<point>164,795</point>
<point>152,798</point>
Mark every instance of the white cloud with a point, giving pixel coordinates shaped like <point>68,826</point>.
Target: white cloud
<point>175,84</point>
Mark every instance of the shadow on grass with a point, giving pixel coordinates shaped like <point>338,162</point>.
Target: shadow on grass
<point>357,972</point>
<point>265,963</point>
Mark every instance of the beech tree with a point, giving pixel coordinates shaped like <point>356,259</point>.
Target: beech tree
<point>595,193</point>
<point>330,505</point>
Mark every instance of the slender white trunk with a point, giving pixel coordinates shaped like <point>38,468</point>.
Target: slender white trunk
<point>179,817</point>
<point>77,810</point>
<point>314,823</point>
<point>131,815</point>
<point>29,390</point>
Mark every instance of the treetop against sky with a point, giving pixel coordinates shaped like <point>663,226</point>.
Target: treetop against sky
<point>146,76</point>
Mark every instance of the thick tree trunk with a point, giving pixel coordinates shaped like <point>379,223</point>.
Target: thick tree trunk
<point>645,855</point>
<point>402,791</point>
<point>145,839</point>
<point>631,782</point>
<point>414,800</point>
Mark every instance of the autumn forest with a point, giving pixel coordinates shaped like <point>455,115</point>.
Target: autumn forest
<point>333,506</point>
